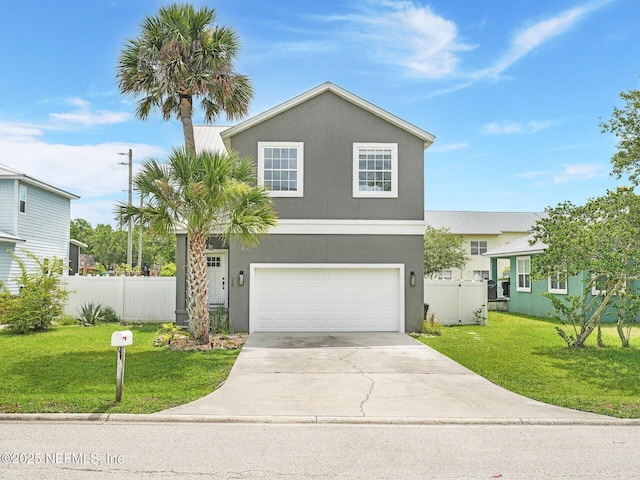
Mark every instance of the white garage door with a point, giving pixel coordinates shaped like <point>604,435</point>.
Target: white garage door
<point>326,298</point>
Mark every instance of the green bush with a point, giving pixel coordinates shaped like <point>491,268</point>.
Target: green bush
<point>168,270</point>
<point>41,299</point>
<point>109,315</point>
<point>431,325</point>
<point>220,322</point>
<point>93,313</point>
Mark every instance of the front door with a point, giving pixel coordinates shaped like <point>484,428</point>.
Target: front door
<point>217,275</point>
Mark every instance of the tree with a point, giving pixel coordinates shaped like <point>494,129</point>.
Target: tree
<point>442,250</point>
<point>601,238</point>
<point>206,194</point>
<point>625,124</point>
<point>109,246</point>
<point>181,54</point>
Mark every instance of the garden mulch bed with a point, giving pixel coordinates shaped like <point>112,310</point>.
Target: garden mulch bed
<point>216,342</point>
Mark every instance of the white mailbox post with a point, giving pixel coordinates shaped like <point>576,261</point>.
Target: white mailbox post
<point>121,339</point>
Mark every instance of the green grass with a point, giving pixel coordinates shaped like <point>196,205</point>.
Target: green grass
<point>526,355</point>
<point>72,369</point>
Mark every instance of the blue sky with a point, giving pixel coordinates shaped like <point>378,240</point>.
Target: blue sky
<point>513,90</point>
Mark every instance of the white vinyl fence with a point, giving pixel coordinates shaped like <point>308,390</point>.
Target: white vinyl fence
<point>151,299</point>
<point>453,302</point>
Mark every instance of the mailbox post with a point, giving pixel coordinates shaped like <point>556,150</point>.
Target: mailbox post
<point>121,339</point>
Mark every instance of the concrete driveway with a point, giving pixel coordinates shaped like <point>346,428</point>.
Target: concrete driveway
<point>351,376</point>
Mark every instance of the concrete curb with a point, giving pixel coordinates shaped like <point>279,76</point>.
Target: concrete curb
<point>306,419</point>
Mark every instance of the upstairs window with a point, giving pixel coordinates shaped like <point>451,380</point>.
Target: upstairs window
<point>22,204</point>
<point>280,168</point>
<point>375,170</point>
<point>478,247</point>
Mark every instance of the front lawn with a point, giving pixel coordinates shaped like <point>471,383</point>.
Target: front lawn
<point>72,369</point>
<point>526,355</point>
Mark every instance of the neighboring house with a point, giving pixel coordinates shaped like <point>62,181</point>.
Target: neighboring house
<point>347,179</point>
<point>481,232</point>
<point>74,255</point>
<point>525,294</point>
<point>33,216</point>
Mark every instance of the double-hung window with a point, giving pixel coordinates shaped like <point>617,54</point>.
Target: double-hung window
<point>281,168</point>
<point>478,247</point>
<point>523,274</point>
<point>558,283</point>
<point>375,170</point>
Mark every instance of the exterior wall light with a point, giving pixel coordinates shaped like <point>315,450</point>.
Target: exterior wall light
<point>241,278</point>
<point>412,278</point>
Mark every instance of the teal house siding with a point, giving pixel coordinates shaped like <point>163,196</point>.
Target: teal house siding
<point>534,303</point>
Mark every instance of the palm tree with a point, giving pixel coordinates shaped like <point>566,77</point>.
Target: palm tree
<point>206,193</point>
<point>181,54</point>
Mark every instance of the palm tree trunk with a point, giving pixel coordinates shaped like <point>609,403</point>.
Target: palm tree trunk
<point>198,307</point>
<point>186,113</point>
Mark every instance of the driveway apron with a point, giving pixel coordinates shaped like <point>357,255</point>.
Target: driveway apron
<point>375,375</point>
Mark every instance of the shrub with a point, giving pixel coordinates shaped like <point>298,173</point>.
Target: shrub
<point>220,322</point>
<point>92,313</point>
<point>41,298</point>
<point>168,270</point>
<point>89,313</point>
<point>109,315</point>
<point>431,325</point>
<point>167,333</point>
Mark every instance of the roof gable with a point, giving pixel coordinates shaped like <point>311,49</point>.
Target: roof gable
<point>11,174</point>
<point>426,137</point>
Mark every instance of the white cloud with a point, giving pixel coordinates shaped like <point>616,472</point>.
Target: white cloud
<point>509,127</point>
<point>449,147</point>
<point>83,115</point>
<point>532,37</point>
<point>401,32</point>
<point>580,172</point>
<point>91,171</point>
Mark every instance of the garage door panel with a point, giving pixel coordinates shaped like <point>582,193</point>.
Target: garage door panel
<point>286,298</point>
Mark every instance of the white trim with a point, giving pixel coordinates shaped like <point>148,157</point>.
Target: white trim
<point>518,288</point>
<point>425,136</point>
<point>398,266</point>
<point>558,291</point>
<point>348,227</point>
<point>300,167</point>
<point>357,193</point>
<point>341,227</point>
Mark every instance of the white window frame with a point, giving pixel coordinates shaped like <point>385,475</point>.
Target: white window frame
<point>22,189</point>
<point>480,249</point>
<point>393,193</point>
<point>559,279</point>
<point>299,192</point>
<point>526,275</point>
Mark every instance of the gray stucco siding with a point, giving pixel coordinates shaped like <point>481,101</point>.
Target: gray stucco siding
<point>328,126</point>
<point>319,249</point>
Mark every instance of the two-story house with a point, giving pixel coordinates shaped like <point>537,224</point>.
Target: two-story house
<point>481,232</point>
<point>347,179</point>
<point>33,216</point>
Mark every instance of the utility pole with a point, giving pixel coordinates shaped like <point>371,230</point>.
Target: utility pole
<point>129,223</point>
